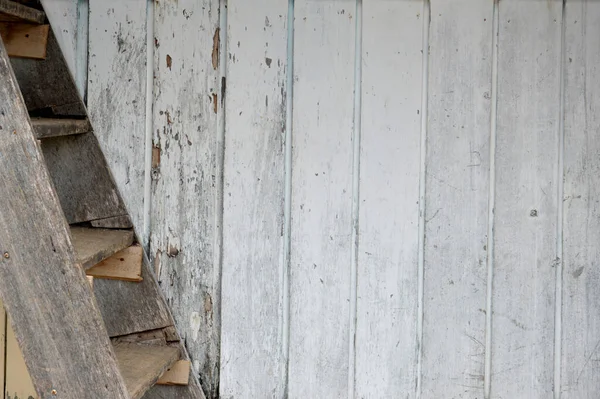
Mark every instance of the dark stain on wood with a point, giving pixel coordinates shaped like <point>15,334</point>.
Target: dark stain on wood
<point>155,156</point>
<point>215,102</point>
<point>215,50</point>
<point>169,61</point>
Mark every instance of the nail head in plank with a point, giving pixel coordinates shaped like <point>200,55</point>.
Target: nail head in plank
<point>54,127</point>
<point>94,245</point>
<point>125,265</point>
<point>142,365</point>
<point>178,374</point>
<point>13,11</point>
<point>25,40</point>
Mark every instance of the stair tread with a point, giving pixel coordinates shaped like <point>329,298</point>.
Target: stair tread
<point>54,127</point>
<point>11,11</point>
<point>93,245</point>
<point>142,365</point>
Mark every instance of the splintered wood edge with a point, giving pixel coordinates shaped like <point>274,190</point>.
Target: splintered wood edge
<point>178,374</point>
<point>25,40</point>
<point>125,265</point>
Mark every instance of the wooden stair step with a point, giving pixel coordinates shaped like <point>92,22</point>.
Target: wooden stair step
<point>142,365</point>
<point>53,127</point>
<point>11,11</point>
<point>125,265</point>
<point>93,245</point>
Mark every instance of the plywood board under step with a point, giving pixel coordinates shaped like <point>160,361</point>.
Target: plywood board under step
<point>92,246</point>
<point>25,40</point>
<point>125,265</point>
<point>11,11</point>
<point>54,127</point>
<point>142,365</point>
<point>178,374</point>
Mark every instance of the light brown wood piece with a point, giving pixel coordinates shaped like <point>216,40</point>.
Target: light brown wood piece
<point>178,374</point>
<point>116,222</point>
<point>92,246</point>
<point>13,11</point>
<point>125,265</point>
<point>53,127</point>
<point>25,40</point>
<point>142,365</point>
<point>18,381</point>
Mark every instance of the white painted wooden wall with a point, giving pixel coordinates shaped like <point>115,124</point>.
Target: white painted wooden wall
<point>360,198</point>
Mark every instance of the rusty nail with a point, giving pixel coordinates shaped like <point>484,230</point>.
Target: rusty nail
<point>6,255</point>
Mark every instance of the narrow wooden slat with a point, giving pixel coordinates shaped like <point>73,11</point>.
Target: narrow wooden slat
<point>116,222</point>
<point>125,265</point>
<point>25,40</point>
<point>52,127</point>
<point>2,346</point>
<point>13,11</point>
<point>94,245</point>
<point>178,374</point>
<point>18,381</point>
<point>142,365</point>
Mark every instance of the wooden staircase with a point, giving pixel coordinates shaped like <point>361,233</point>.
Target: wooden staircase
<point>62,218</point>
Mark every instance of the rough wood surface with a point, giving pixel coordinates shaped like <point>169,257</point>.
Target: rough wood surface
<point>38,267</point>
<point>389,210</point>
<point>456,205</point>
<point>178,374</point>
<point>63,15</point>
<point>117,95</point>
<point>2,346</point>
<point>321,243</point>
<point>82,178</point>
<point>13,11</point>
<point>581,234</point>
<point>254,192</point>
<point>25,40</point>
<point>185,175</point>
<point>142,365</point>
<point>125,265</point>
<point>18,381</point>
<point>116,222</point>
<point>92,246</point>
<point>51,127</point>
<point>526,201</point>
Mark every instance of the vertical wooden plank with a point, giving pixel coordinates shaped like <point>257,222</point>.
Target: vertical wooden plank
<point>389,195</point>
<point>117,94</point>
<point>252,311</point>
<point>457,189</point>
<point>2,347</point>
<point>62,15</point>
<point>581,277</point>
<point>184,206</point>
<point>526,198</point>
<point>321,242</point>
<point>18,381</point>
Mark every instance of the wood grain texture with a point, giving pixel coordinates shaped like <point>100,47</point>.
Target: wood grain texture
<point>184,195</point>
<point>92,246</point>
<point>321,242</point>
<point>456,206</point>
<point>142,365</point>
<point>389,194</point>
<point>125,265</point>
<point>50,127</point>
<point>581,234</point>
<point>117,94</point>
<point>177,374</point>
<point>526,200</point>
<point>18,381</point>
<point>62,15</point>
<point>2,347</point>
<point>13,11</point>
<point>34,236</point>
<point>253,223</point>
<point>115,222</point>
<point>81,178</point>
<point>25,40</point>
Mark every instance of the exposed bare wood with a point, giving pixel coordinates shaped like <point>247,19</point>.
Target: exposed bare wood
<point>142,365</point>
<point>125,265</point>
<point>52,127</point>
<point>116,222</point>
<point>13,11</point>
<point>25,40</point>
<point>178,374</point>
<point>94,245</point>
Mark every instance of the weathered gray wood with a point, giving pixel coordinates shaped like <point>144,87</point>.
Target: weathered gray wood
<point>389,199</point>
<point>456,205</point>
<point>51,127</point>
<point>116,222</point>
<point>190,391</point>
<point>81,178</point>
<point>581,234</point>
<point>254,181</point>
<point>63,341</point>
<point>522,347</point>
<point>92,246</point>
<point>47,85</point>
<point>12,11</point>
<point>185,175</point>
<point>141,365</point>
